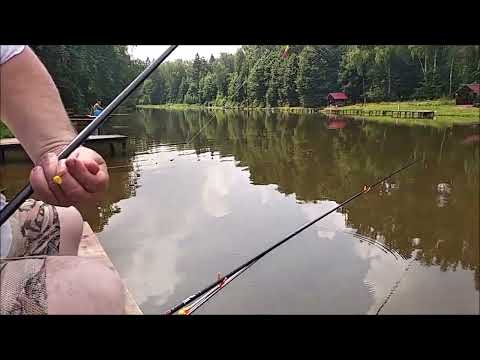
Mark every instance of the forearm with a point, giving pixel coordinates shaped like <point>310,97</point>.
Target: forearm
<point>31,106</point>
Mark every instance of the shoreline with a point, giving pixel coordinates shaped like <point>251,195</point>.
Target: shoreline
<point>446,112</point>
<point>296,109</point>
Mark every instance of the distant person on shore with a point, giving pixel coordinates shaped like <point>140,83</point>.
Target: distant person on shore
<point>97,108</point>
<point>40,272</point>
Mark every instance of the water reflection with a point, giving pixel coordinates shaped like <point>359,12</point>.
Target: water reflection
<point>178,213</point>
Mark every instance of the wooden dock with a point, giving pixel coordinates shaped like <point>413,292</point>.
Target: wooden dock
<point>413,114</point>
<point>82,119</point>
<point>91,247</point>
<point>89,117</point>
<point>80,122</point>
<point>14,144</point>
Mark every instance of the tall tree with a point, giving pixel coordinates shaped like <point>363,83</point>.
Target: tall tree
<point>289,86</point>
<point>311,77</point>
<point>257,83</point>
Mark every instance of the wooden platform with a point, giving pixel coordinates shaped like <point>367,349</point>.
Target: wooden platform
<point>414,114</point>
<point>91,247</point>
<point>14,144</point>
<point>82,119</point>
<point>76,117</point>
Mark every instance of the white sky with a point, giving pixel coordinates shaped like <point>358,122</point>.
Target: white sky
<point>185,52</point>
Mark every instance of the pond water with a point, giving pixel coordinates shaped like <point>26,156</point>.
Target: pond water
<point>200,192</point>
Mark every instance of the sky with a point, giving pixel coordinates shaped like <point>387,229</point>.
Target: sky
<point>184,52</point>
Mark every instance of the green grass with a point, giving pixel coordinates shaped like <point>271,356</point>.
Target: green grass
<point>171,106</point>
<point>197,106</point>
<point>439,122</point>
<point>446,112</point>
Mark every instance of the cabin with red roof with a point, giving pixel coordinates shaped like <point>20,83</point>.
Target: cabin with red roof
<point>337,99</point>
<point>468,94</point>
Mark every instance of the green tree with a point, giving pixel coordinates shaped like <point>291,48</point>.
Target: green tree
<point>257,83</point>
<point>84,73</point>
<point>311,77</point>
<point>208,88</point>
<point>274,90</point>
<point>289,85</point>
<point>191,97</point>
<point>236,89</point>
<point>259,75</point>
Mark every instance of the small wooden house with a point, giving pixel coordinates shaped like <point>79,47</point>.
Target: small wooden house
<point>467,94</point>
<point>337,99</point>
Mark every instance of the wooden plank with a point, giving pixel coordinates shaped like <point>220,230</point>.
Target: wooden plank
<point>13,142</point>
<point>91,247</point>
<point>107,137</point>
<point>79,119</point>
<point>424,114</point>
<point>89,117</point>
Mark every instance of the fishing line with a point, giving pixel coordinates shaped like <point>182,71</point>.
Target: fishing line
<point>211,117</point>
<point>211,290</point>
<point>395,286</point>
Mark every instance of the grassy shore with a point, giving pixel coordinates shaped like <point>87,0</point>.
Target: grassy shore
<point>196,106</point>
<point>446,112</point>
<point>171,106</point>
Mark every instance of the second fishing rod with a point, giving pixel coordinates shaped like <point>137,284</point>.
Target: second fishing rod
<point>193,302</point>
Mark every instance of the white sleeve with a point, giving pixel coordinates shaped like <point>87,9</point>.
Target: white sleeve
<point>9,51</point>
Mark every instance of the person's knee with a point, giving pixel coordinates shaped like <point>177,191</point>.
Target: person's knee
<point>71,228</point>
<point>83,286</point>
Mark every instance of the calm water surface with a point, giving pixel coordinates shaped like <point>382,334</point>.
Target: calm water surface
<point>177,214</point>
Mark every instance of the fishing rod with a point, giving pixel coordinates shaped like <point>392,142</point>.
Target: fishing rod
<point>27,191</point>
<point>192,303</point>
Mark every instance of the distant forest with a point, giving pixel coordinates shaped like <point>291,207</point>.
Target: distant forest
<point>267,75</point>
<point>85,73</point>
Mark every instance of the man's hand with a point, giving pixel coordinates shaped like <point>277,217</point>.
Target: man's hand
<point>84,178</point>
